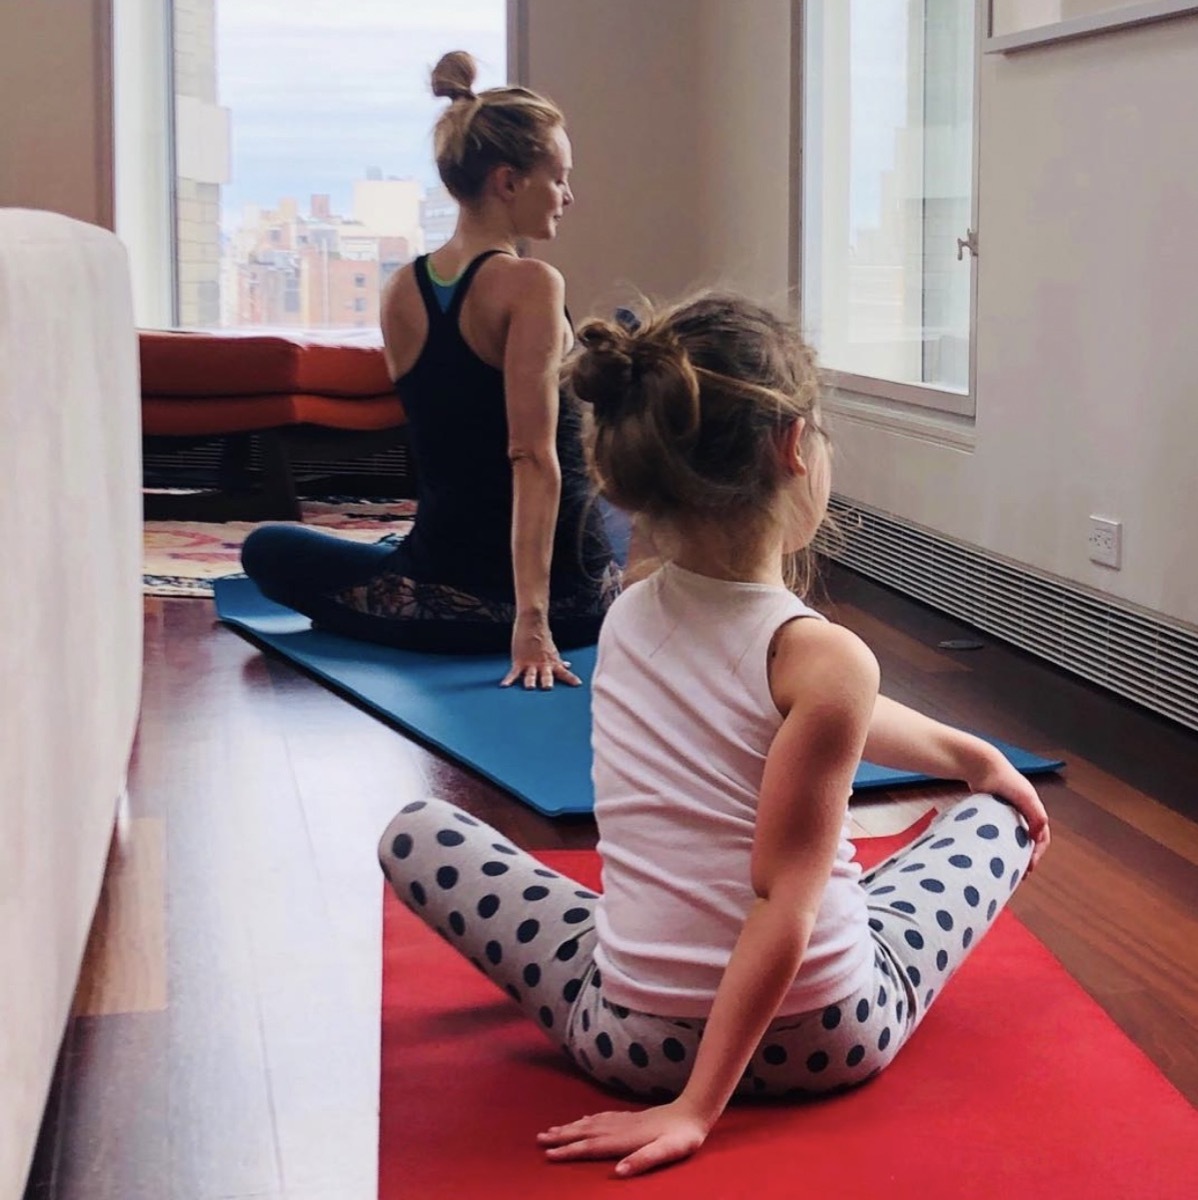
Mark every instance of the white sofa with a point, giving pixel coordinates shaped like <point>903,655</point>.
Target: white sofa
<point>70,627</point>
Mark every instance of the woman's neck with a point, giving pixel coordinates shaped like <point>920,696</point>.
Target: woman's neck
<point>476,232</point>
<point>722,554</point>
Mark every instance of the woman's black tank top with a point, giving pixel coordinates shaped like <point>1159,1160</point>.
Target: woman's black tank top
<point>458,436</point>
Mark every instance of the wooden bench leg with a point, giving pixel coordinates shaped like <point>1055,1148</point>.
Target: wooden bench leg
<point>279,498</point>
<point>234,470</point>
<point>236,498</point>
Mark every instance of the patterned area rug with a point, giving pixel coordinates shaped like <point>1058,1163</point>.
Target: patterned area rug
<point>182,558</point>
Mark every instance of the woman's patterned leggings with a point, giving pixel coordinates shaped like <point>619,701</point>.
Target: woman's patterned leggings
<point>531,931</point>
<point>352,588</point>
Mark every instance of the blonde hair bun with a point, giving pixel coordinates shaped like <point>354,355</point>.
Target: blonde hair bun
<point>501,126</point>
<point>454,76</point>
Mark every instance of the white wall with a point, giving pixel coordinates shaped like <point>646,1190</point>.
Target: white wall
<point>56,101</point>
<point>1087,309</point>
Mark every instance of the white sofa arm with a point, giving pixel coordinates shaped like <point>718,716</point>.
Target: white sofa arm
<point>70,626</point>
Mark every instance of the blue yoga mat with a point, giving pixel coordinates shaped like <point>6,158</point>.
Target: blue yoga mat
<point>536,745</point>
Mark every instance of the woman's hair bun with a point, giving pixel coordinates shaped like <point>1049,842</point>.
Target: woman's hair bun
<point>454,76</point>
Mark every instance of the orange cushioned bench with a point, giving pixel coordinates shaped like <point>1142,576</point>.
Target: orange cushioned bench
<point>280,387</point>
<point>200,383</point>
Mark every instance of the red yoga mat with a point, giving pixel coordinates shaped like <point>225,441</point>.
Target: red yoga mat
<point>1016,1085</point>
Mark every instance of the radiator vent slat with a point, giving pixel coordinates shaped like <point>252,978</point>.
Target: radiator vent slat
<point>1139,655</point>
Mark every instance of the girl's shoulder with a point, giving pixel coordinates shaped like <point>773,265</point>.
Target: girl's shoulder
<point>813,657</point>
<point>632,596</point>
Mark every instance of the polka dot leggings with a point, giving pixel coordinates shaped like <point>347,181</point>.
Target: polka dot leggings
<point>531,930</point>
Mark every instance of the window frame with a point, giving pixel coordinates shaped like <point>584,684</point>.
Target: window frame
<point>1122,16</point>
<point>889,396</point>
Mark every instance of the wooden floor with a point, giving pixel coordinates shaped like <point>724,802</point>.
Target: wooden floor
<point>225,1037</point>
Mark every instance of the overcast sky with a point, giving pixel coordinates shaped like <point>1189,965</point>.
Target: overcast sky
<point>321,90</point>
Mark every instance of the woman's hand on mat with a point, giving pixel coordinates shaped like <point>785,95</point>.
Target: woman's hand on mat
<point>535,660</point>
<point>642,1141</point>
<point>994,774</point>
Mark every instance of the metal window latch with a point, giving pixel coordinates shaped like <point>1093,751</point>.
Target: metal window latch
<point>968,242</point>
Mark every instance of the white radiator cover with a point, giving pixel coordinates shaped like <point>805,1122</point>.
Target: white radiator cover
<point>1133,652</point>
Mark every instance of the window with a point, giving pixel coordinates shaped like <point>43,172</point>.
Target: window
<point>302,143</point>
<point>888,196</point>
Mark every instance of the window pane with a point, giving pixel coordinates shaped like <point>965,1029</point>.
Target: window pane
<point>304,162</point>
<point>888,187</point>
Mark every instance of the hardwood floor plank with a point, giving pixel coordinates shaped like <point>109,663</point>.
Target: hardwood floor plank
<point>125,961</point>
<point>1139,855</point>
<point>114,1143</point>
<point>885,640</point>
<point>968,702</point>
<point>1135,809</point>
<point>230,769</point>
<point>884,818</point>
<point>316,929</point>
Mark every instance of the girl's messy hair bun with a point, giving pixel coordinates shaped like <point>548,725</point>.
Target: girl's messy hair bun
<point>688,404</point>
<point>625,372</point>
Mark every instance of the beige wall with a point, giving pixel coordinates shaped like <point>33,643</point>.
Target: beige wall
<point>56,101</point>
<point>745,144</point>
<point>1088,294</point>
<point>624,73</point>
<point>678,113</point>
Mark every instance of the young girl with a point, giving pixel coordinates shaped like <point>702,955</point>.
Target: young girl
<point>736,948</point>
<point>507,550</point>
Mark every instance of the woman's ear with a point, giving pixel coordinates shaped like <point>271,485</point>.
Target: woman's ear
<point>790,448</point>
<point>505,179</point>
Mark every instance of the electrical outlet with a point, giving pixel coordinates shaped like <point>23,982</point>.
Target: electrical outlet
<point>1106,541</point>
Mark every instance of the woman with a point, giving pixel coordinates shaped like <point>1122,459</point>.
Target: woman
<point>507,549</point>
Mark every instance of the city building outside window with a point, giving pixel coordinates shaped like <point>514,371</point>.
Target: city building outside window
<point>889,239</point>
<point>303,151</point>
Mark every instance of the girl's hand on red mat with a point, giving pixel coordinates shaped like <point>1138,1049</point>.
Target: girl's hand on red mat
<point>996,776</point>
<point>535,660</point>
<point>642,1141</point>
